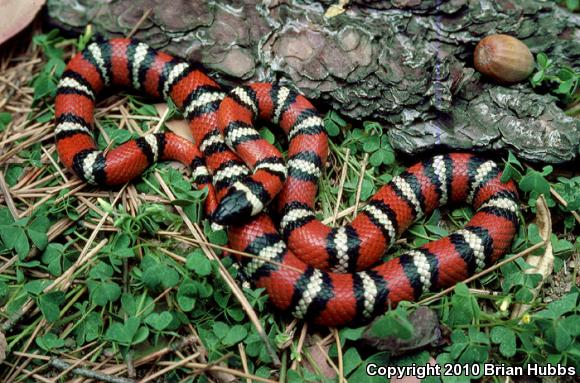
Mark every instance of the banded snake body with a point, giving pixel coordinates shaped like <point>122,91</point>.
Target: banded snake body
<point>330,276</point>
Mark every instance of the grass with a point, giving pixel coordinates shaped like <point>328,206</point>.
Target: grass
<point>130,284</point>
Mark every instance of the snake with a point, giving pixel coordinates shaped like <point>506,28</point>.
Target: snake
<point>330,276</point>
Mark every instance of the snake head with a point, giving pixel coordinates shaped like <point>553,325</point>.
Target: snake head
<point>237,206</point>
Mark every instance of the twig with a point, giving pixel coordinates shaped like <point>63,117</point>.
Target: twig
<point>200,367</point>
<point>39,378</point>
<point>173,366</point>
<point>484,272</point>
<point>8,197</point>
<point>328,359</point>
<point>198,234</point>
<point>77,363</point>
<point>161,121</point>
<point>339,355</point>
<point>44,134</point>
<point>53,162</point>
<point>65,277</point>
<point>563,202</point>
<point>223,248</point>
<point>299,346</point>
<point>62,365</point>
<point>17,368</point>
<point>360,183</point>
<point>284,368</point>
<point>25,186</point>
<point>340,187</point>
<point>342,214</point>
<point>141,20</point>
<point>54,231</point>
<point>559,198</point>
<point>64,280</point>
<point>26,372</point>
<point>153,356</point>
<point>244,359</point>
<point>80,186</point>
<point>289,333</point>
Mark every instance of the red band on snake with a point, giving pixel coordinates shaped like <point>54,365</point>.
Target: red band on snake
<point>308,269</point>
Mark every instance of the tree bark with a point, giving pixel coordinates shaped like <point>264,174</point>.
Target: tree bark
<point>407,63</point>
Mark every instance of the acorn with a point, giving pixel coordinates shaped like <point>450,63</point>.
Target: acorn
<point>503,58</point>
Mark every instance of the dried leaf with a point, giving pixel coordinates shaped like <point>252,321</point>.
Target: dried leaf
<point>15,15</point>
<point>179,127</point>
<point>542,264</point>
<point>336,9</point>
<point>319,355</point>
<point>223,376</point>
<point>427,331</point>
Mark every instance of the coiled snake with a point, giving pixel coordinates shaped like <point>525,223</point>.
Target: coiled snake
<point>313,271</point>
